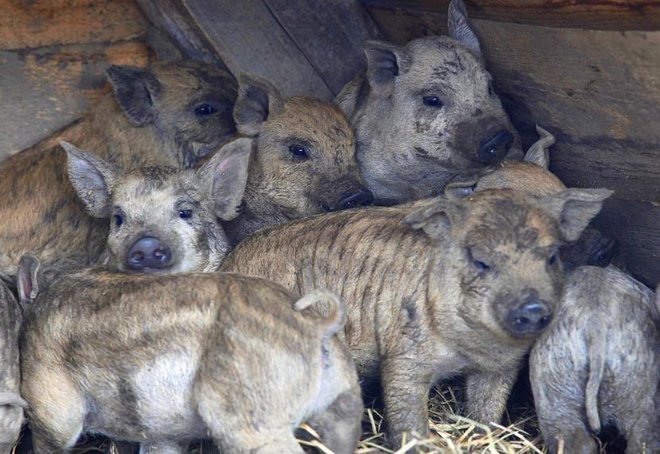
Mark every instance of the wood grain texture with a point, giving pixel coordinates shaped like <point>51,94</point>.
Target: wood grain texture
<point>330,34</point>
<point>598,92</point>
<point>29,24</point>
<point>172,18</point>
<point>249,39</point>
<point>585,14</point>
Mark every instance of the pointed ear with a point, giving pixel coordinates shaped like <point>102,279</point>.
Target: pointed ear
<point>135,90</point>
<point>460,189</point>
<point>257,101</point>
<point>435,218</point>
<point>92,178</point>
<point>538,152</point>
<point>26,280</point>
<point>459,26</point>
<point>385,62</point>
<point>226,173</point>
<point>573,209</point>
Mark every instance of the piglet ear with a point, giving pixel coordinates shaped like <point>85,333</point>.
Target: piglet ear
<point>538,152</point>
<point>135,90</point>
<point>385,62</point>
<point>459,26</point>
<point>26,280</point>
<point>573,209</point>
<point>435,218</point>
<point>226,173</point>
<point>92,179</point>
<point>257,101</point>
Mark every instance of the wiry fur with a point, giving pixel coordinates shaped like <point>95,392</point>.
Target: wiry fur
<point>408,150</point>
<point>418,309</point>
<point>599,364</point>
<point>11,403</point>
<point>149,201</point>
<point>282,187</point>
<point>42,212</point>
<point>163,360</point>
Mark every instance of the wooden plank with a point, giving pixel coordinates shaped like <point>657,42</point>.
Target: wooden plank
<point>249,39</point>
<point>590,14</point>
<point>598,92</point>
<point>329,33</point>
<point>28,24</point>
<point>45,89</point>
<point>635,225</point>
<point>172,18</point>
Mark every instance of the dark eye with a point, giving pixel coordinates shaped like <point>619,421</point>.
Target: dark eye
<point>432,101</point>
<point>205,109</point>
<point>480,266</point>
<point>552,259</point>
<point>119,220</point>
<point>299,151</point>
<point>185,214</point>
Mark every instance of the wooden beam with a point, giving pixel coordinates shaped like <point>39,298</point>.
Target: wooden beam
<point>170,17</point>
<point>302,47</point>
<point>25,25</point>
<point>589,14</point>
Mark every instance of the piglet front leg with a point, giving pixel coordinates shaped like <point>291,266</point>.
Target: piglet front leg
<point>487,394</point>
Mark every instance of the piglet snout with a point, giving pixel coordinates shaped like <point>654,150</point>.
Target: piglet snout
<point>530,317</point>
<point>149,252</point>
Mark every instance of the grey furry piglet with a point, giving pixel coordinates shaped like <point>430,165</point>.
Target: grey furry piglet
<point>426,112</point>
<point>166,359</point>
<point>599,364</point>
<point>11,403</point>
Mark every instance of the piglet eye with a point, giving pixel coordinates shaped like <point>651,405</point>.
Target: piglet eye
<point>205,109</point>
<point>119,220</point>
<point>432,101</point>
<point>299,151</point>
<point>185,214</point>
<point>552,260</point>
<point>480,266</point>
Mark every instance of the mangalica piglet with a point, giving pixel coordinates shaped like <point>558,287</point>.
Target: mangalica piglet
<point>426,112</point>
<point>598,364</point>
<point>162,219</point>
<point>531,175</point>
<point>236,359</point>
<point>434,289</point>
<point>11,403</point>
<point>304,161</point>
<point>171,113</point>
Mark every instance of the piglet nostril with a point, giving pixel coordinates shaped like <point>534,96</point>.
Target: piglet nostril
<point>493,149</point>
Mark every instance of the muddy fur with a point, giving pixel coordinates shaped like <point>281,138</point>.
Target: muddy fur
<point>148,119</point>
<point>599,364</point>
<point>406,148</point>
<point>138,358</point>
<point>430,287</point>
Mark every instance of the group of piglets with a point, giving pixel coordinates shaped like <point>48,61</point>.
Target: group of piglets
<point>194,260</point>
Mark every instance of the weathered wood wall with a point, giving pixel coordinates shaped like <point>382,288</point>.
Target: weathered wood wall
<point>52,59</point>
<point>303,47</point>
<point>597,91</point>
